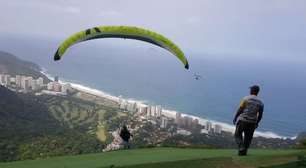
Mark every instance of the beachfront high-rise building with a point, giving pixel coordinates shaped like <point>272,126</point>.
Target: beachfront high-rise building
<point>218,129</point>
<point>1,79</point>
<point>195,122</point>
<point>25,83</point>
<point>22,82</point>
<point>18,81</point>
<point>142,110</point>
<point>34,85</point>
<point>164,122</point>
<point>208,126</point>
<point>178,117</point>
<point>148,112</point>
<point>65,88</point>
<point>132,107</point>
<point>123,105</point>
<point>57,87</point>
<point>153,111</point>
<point>40,81</point>
<point>187,121</point>
<point>50,86</point>
<point>145,110</point>
<point>13,80</point>
<point>30,78</point>
<point>158,111</point>
<point>56,79</point>
<point>6,80</point>
<point>30,81</point>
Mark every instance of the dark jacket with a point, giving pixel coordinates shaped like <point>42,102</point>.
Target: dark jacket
<point>125,134</point>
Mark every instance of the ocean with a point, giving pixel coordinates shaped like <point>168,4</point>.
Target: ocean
<point>149,74</point>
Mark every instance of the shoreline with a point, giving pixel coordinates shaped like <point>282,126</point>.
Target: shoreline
<point>168,113</point>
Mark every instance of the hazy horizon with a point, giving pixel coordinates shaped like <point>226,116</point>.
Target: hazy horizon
<point>264,29</point>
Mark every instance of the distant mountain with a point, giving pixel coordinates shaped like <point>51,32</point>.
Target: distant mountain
<point>12,65</point>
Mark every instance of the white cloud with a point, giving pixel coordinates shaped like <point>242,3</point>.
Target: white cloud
<point>72,9</point>
<point>110,13</point>
<point>51,7</point>
<point>193,19</point>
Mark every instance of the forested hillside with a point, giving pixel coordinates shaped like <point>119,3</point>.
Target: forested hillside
<point>29,130</point>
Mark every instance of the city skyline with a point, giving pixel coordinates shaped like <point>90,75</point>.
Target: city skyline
<point>23,83</point>
<point>185,123</point>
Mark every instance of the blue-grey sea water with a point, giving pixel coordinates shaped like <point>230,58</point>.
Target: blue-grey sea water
<point>144,72</point>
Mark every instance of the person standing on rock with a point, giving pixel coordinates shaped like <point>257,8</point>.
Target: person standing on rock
<point>247,119</point>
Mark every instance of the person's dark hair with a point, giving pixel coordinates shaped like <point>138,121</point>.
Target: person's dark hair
<point>124,127</point>
<point>254,90</point>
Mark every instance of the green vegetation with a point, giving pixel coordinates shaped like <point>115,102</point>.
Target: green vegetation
<point>199,163</point>
<point>300,163</point>
<point>101,133</point>
<point>165,157</point>
<point>66,143</point>
<point>302,144</point>
<point>40,127</point>
<point>78,113</point>
<point>95,119</point>
<point>73,112</point>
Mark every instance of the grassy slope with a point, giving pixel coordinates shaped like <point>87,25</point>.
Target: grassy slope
<point>163,157</point>
<point>226,162</point>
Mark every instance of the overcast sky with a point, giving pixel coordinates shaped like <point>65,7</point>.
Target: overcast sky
<point>266,28</point>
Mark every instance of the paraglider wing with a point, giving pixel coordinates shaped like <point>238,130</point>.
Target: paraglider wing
<point>125,32</point>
